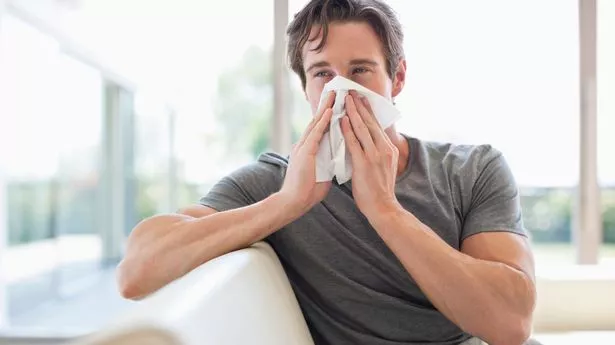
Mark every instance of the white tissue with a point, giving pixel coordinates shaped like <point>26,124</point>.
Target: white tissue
<point>333,159</point>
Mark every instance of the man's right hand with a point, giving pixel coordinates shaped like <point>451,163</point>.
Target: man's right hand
<point>300,187</point>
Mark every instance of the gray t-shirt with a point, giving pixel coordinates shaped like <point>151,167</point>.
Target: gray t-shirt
<point>351,288</point>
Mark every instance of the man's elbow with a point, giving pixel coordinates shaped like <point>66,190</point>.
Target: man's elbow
<point>129,282</point>
<point>512,331</point>
<point>516,334</point>
<point>522,332</point>
<point>508,326</point>
<point>135,271</point>
<point>513,326</point>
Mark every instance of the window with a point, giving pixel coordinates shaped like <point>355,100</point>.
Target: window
<point>476,78</point>
<point>606,124</point>
<point>210,81</point>
<point>152,156</point>
<point>223,102</point>
<point>201,105</point>
<point>50,146</point>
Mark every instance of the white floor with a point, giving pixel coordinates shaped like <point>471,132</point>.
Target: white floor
<point>91,309</point>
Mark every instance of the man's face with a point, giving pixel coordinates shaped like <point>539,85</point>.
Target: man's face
<point>352,50</point>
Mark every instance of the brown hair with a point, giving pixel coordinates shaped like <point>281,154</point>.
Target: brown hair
<point>379,15</point>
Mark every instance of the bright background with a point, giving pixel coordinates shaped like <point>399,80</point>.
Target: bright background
<point>151,102</point>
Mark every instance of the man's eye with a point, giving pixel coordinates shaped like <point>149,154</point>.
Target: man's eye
<point>359,70</point>
<point>321,74</point>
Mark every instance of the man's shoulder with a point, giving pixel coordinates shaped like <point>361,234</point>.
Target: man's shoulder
<point>457,156</point>
<point>247,184</point>
<point>269,166</point>
<point>272,160</point>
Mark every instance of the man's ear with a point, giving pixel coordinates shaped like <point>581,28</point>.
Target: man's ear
<point>400,78</point>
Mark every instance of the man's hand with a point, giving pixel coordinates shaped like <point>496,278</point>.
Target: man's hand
<point>374,159</point>
<point>300,186</point>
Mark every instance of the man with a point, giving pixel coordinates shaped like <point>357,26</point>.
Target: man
<point>425,244</point>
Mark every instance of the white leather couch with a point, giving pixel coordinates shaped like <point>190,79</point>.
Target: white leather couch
<point>240,298</point>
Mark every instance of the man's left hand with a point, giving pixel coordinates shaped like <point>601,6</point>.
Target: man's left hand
<point>374,159</point>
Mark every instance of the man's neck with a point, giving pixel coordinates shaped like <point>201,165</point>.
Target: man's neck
<point>402,145</point>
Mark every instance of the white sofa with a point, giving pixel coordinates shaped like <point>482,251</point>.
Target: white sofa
<point>240,298</point>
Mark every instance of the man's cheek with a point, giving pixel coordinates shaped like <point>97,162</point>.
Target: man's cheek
<point>313,98</point>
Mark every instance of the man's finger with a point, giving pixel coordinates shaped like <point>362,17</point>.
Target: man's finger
<point>327,105</point>
<point>371,111</point>
<point>359,127</point>
<point>365,103</point>
<point>313,139</point>
<point>364,109</point>
<point>330,101</point>
<point>352,143</point>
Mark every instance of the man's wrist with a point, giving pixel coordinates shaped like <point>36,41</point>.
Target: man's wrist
<point>289,205</point>
<point>386,214</point>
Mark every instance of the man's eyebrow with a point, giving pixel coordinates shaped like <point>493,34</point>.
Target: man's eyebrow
<point>352,62</point>
<point>363,62</point>
<point>317,64</point>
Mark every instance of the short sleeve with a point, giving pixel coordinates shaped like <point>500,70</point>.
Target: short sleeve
<point>495,202</point>
<point>245,186</point>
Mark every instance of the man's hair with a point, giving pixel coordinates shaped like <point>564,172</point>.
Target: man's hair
<point>379,15</point>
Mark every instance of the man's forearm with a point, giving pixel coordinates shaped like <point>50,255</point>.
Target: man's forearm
<point>224,232</point>
<point>165,247</point>
<point>484,298</point>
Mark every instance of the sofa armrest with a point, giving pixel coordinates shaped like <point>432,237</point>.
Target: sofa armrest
<point>243,297</point>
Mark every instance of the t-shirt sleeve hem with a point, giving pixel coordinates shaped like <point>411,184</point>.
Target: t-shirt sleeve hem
<point>217,205</point>
<point>520,232</point>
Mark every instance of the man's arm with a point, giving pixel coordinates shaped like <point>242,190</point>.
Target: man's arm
<point>487,289</point>
<point>162,248</point>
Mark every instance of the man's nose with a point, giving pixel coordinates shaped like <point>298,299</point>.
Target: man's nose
<point>345,74</point>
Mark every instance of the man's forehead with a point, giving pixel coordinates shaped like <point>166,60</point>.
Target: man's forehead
<point>352,49</point>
